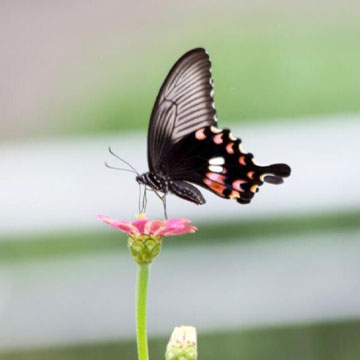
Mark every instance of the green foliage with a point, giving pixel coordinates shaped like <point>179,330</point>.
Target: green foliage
<point>327,341</point>
<point>262,70</point>
<point>63,244</point>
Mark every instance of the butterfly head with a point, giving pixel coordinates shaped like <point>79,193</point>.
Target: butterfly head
<point>140,179</point>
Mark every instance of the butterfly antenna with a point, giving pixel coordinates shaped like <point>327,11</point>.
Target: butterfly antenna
<point>116,168</point>
<point>124,161</point>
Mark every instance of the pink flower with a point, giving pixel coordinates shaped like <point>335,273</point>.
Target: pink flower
<point>143,226</point>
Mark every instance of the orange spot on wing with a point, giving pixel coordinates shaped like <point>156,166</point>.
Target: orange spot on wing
<point>253,188</point>
<point>229,148</point>
<point>234,195</point>
<point>242,160</point>
<point>218,139</point>
<point>237,184</point>
<point>250,175</point>
<point>216,177</point>
<point>217,188</point>
<point>200,135</point>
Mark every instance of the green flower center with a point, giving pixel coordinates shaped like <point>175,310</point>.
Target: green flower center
<point>144,248</point>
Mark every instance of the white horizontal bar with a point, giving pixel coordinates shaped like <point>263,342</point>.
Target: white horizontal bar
<point>239,285</point>
<point>62,184</point>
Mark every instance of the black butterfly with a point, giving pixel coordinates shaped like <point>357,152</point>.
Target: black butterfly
<point>185,146</point>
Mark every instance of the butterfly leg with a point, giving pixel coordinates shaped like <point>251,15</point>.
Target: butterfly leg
<point>144,202</point>
<point>139,198</point>
<point>163,199</point>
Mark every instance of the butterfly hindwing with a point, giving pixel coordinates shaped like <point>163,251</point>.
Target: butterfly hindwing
<point>213,158</point>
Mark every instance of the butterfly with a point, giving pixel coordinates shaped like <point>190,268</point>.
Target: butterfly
<point>185,146</point>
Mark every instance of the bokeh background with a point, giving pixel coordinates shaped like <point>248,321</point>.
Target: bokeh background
<point>277,279</point>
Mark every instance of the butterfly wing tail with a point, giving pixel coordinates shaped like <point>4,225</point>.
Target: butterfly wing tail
<point>275,173</point>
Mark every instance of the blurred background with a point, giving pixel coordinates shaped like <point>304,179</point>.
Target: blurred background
<point>277,279</point>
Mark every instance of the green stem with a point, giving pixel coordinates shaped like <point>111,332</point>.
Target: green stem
<point>141,302</point>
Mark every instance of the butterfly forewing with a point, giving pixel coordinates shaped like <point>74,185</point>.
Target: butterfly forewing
<point>183,105</point>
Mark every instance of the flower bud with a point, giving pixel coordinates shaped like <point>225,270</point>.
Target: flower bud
<point>182,344</point>
<point>144,248</point>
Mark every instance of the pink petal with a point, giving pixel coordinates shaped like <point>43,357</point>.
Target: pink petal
<point>182,231</point>
<point>153,226</point>
<point>122,225</point>
<point>178,230</point>
<point>176,226</point>
<point>125,227</point>
<point>177,221</point>
<point>172,225</point>
<point>140,225</point>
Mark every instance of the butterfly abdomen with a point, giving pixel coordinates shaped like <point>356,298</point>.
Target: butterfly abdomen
<point>186,191</point>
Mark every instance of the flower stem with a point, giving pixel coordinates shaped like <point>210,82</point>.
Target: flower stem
<point>141,302</point>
